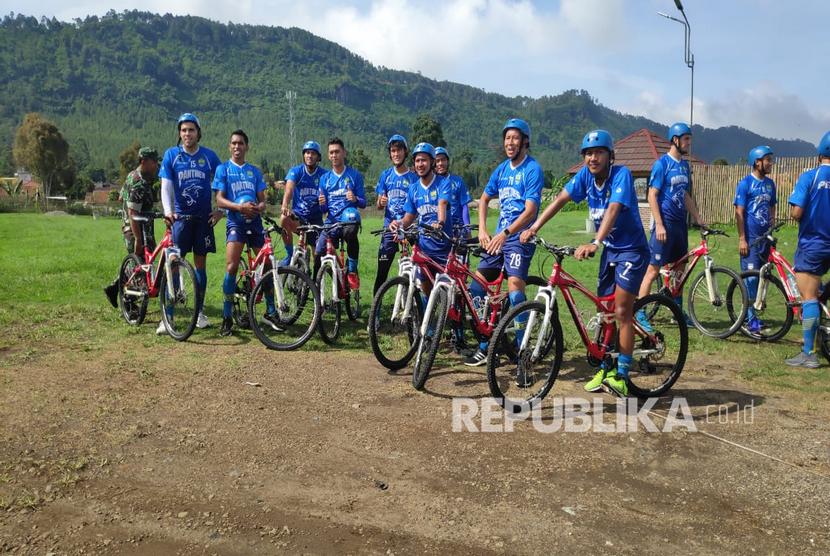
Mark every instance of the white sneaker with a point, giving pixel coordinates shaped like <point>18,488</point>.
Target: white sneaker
<point>202,321</point>
<point>161,330</point>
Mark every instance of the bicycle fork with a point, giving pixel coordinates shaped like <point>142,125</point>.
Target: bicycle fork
<point>404,269</point>
<point>712,286</point>
<point>546,295</point>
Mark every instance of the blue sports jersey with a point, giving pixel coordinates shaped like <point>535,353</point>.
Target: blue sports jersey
<point>627,233</point>
<point>422,202</point>
<point>305,201</point>
<point>812,193</point>
<point>459,196</point>
<point>395,186</point>
<point>672,180</point>
<point>238,184</point>
<point>191,176</point>
<point>758,199</point>
<point>514,186</point>
<point>334,188</point>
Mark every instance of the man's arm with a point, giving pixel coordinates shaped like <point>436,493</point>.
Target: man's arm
<point>740,215</point>
<point>654,205</point>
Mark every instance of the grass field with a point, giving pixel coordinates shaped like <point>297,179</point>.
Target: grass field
<point>52,269</point>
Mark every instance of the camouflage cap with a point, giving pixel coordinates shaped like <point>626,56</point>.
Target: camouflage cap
<point>148,152</point>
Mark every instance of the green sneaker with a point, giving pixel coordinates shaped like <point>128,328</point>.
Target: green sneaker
<point>595,384</point>
<point>617,385</point>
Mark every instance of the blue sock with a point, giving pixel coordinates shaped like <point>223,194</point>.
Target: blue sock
<point>458,334</point>
<point>229,289</point>
<point>289,251</point>
<point>424,301</point>
<point>351,264</point>
<point>478,294</point>
<point>517,297</point>
<point>623,363</point>
<point>269,303</point>
<point>679,301</point>
<point>751,292</point>
<point>201,283</point>
<point>810,312</point>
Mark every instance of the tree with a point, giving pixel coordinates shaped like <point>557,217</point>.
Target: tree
<point>128,160</point>
<point>360,161</point>
<point>720,162</point>
<point>40,147</point>
<point>427,130</point>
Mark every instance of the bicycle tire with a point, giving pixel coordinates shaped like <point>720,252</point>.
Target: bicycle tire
<point>330,311</point>
<point>428,343</point>
<point>353,307</point>
<point>649,376</point>
<point>716,320</point>
<point>295,322</point>
<point>520,374</point>
<point>241,294</point>
<point>134,311</point>
<point>777,325</point>
<point>823,335</point>
<point>385,335</point>
<point>185,292</point>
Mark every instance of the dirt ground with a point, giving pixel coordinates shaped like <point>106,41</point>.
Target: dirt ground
<point>326,452</point>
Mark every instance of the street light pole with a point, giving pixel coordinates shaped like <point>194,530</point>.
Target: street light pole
<point>688,57</point>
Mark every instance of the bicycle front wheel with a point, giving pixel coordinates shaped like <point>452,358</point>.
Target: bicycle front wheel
<point>179,300</point>
<point>520,381</point>
<point>287,320</point>
<point>133,292</point>
<point>392,335</point>
<point>429,342</point>
<point>775,313</point>
<point>240,296</point>
<point>659,351</point>
<point>330,315</point>
<point>711,309</point>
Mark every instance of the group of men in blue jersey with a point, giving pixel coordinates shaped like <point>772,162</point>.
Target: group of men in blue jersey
<point>432,196</point>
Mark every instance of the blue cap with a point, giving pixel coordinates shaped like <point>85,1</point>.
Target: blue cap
<point>442,150</point>
<point>350,215</point>
<point>312,146</point>
<point>424,148</point>
<point>397,139</point>
<point>517,123</point>
<point>678,130</point>
<point>757,154</point>
<point>597,138</point>
<point>824,145</point>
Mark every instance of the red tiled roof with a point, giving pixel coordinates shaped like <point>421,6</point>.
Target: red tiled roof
<point>638,152</point>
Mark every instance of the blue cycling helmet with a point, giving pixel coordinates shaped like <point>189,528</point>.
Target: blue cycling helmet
<point>824,145</point>
<point>442,150</point>
<point>678,130</point>
<point>424,148</point>
<point>597,138</point>
<point>312,146</point>
<point>350,215</point>
<point>397,139</point>
<point>517,123</point>
<point>188,117</point>
<point>757,154</point>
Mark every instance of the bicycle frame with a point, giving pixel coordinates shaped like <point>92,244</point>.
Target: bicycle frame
<point>153,273</point>
<point>257,265</point>
<point>335,261</point>
<point>675,287</point>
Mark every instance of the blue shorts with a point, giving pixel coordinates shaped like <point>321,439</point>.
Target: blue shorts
<point>757,257</point>
<point>515,257</point>
<point>626,270</point>
<point>439,257</point>
<point>194,234</point>
<point>812,261</point>
<point>253,235</point>
<point>675,246</point>
<point>388,247</point>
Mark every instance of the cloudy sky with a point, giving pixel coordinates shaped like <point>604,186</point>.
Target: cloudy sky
<point>759,64</point>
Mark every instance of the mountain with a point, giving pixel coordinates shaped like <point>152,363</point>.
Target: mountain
<point>107,81</point>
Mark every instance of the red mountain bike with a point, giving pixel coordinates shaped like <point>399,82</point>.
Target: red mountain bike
<point>162,273</point>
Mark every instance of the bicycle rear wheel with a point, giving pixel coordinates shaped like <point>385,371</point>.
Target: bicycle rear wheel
<point>723,317</point>
<point>659,353</point>
<point>429,342</point>
<point>353,307</point>
<point>330,315</point>
<point>776,313</point>
<point>522,381</point>
<point>133,292</point>
<point>394,341</point>
<point>288,324</point>
<point>179,304</point>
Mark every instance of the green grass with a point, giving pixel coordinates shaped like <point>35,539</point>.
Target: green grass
<point>52,269</point>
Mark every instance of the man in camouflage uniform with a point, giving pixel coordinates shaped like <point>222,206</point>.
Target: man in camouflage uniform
<point>138,196</point>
